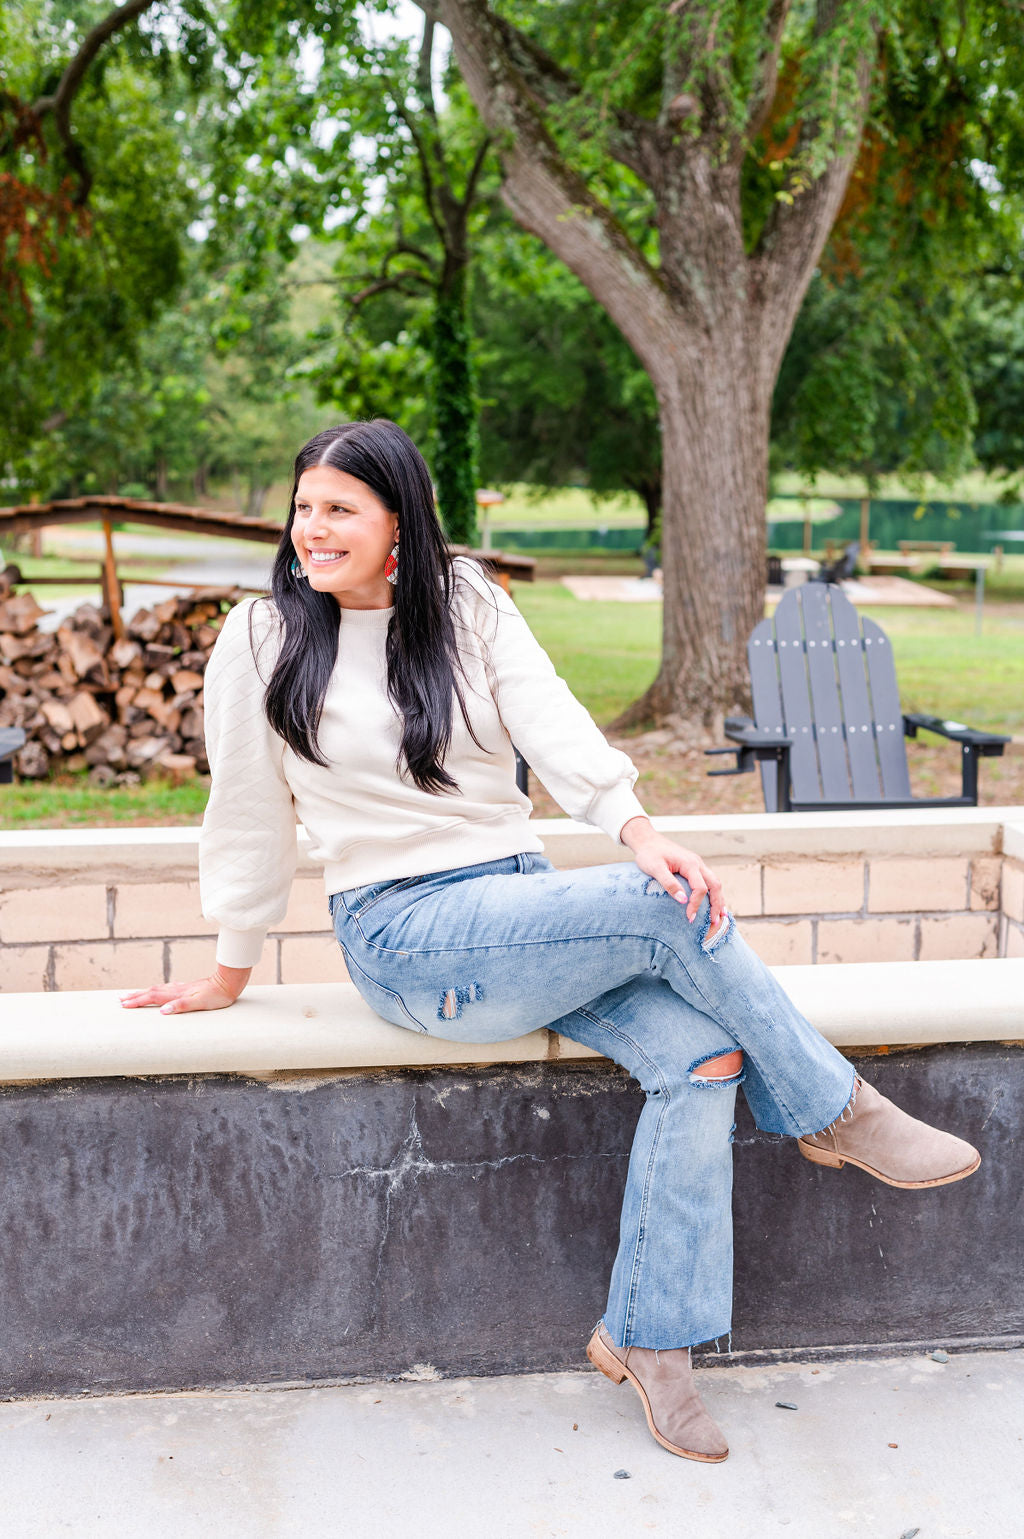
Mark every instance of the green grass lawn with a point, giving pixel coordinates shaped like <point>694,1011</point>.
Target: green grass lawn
<point>974,486</point>
<point>607,652</point>
<point>72,802</point>
<point>944,669</point>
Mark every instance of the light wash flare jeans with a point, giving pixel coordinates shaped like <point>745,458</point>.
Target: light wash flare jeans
<point>604,955</point>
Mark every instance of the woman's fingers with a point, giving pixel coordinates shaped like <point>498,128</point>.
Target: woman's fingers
<point>716,897</point>
<point>181,1005</point>
<point>177,998</point>
<point>205,994</point>
<point>698,887</point>
<point>663,873</point>
<point>699,879</point>
<point>157,995</point>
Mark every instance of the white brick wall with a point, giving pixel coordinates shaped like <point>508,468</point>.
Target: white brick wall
<point>126,914</point>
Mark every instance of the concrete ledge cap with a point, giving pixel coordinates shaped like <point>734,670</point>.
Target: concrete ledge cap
<point>1013,840</point>
<point>328,1026</point>
<point>31,857</point>
<point>762,836</point>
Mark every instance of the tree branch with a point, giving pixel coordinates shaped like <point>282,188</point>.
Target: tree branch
<point>634,141</point>
<point>379,285</point>
<point>430,196</point>
<point>403,247</point>
<point>546,196</point>
<point>60,102</point>
<point>474,171</point>
<point>763,98</point>
<point>796,230</point>
<point>424,77</point>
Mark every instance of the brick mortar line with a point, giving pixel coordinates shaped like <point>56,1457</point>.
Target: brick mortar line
<point>857,915</point>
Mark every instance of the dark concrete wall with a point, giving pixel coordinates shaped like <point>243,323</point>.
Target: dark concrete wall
<point>168,1233</point>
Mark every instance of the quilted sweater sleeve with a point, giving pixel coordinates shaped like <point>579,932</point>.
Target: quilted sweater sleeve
<point>247,844</point>
<point>556,735</point>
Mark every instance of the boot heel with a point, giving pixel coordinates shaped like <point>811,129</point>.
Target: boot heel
<point>605,1361</point>
<point>820,1156</point>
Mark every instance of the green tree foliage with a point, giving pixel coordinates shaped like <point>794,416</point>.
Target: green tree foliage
<point>564,399</point>
<point>991,339</point>
<point>688,163</point>
<point>874,383</point>
<point>151,335</point>
<point>84,277</point>
<point>397,180</point>
<point>881,372</point>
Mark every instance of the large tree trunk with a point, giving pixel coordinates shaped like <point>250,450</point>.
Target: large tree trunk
<point>714,426</point>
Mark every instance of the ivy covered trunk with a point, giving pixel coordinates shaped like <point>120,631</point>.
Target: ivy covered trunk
<point>455,430</point>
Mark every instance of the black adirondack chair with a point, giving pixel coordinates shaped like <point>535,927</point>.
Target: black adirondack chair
<point>11,739</point>
<point>839,571</point>
<point>828,732</point>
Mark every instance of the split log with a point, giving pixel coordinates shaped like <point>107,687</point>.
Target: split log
<point>19,614</point>
<point>86,657</point>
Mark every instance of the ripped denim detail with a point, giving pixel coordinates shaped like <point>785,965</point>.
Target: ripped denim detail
<point>710,944</point>
<point>453,999</point>
<point>716,1081</point>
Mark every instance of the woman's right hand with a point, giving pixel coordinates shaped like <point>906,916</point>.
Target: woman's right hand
<point>216,992</point>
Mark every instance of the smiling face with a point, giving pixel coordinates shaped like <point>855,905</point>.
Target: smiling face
<point>343,534</point>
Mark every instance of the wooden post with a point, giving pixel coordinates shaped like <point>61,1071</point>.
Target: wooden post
<point>111,586</point>
<point>865,525</point>
<point>486,500</point>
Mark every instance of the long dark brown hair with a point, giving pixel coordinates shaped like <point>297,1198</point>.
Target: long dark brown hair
<point>423,662</point>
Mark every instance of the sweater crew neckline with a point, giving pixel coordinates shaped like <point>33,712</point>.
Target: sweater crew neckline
<point>370,619</point>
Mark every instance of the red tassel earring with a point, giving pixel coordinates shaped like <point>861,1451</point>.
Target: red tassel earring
<point>391,565</point>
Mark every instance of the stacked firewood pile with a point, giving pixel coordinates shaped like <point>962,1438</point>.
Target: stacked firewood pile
<point>127,708</point>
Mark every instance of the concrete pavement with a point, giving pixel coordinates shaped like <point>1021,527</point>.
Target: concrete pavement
<point>532,1457</point>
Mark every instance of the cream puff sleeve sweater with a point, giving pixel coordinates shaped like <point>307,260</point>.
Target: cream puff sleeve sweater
<point>366,822</point>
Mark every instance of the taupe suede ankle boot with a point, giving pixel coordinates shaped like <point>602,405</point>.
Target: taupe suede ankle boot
<point>664,1382</point>
<point>889,1144</point>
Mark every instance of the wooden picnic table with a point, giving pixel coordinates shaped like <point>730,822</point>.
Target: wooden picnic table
<point>942,546</point>
<point>963,567</point>
<point>881,565</point>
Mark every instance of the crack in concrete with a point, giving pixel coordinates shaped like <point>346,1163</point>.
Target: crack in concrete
<point>410,1162</point>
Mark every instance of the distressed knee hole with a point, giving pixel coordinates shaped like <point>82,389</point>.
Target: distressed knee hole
<point>453,999</point>
<point>713,938</point>
<point>720,1070</point>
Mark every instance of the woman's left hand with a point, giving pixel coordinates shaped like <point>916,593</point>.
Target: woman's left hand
<point>663,859</point>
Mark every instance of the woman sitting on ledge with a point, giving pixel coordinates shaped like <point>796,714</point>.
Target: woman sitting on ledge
<point>377,695</point>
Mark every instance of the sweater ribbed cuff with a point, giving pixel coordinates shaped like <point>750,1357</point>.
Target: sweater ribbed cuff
<point>239,948</point>
<point>615,807</point>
